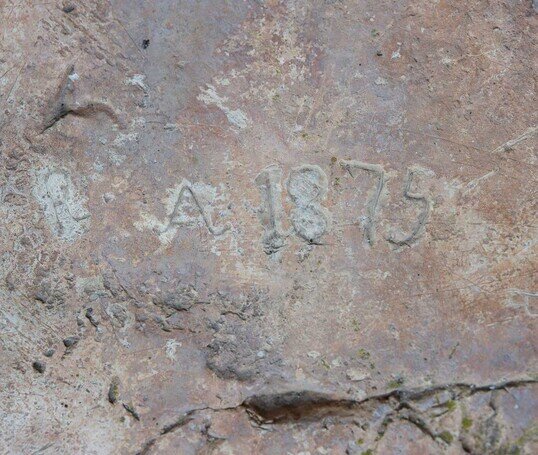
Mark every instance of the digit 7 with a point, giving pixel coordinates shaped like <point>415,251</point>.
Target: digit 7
<point>373,201</point>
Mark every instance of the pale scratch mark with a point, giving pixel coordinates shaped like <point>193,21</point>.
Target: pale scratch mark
<point>43,448</point>
<point>508,176</point>
<point>337,123</point>
<point>525,297</point>
<point>509,145</point>
<point>5,73</point>
<point>131,38</point>
<point>474,283</point>
<point>296,122</point>
<point>37,318</point>
<point>171,348</point>
<point>235,117</point>
<point>6,99</point>
<point>138,80</point>
<point>10,91</point>
<point>127,32</point>
<point>440,138</point>
<point>13,6</point>
<point>475,182</point>
<point>502,321</point>
<point>318,98</point>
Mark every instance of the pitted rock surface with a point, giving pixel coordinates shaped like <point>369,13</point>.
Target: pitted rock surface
<point>270,227</point>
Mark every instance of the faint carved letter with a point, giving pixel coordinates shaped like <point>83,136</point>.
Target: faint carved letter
<point>187,187</point>
<point>307,187</point>
<point>424,214</point>
<point>373,202</point>
<point>268,182</point>
<point>63,207</point>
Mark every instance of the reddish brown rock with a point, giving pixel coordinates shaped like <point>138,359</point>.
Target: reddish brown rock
<point>303,227</point>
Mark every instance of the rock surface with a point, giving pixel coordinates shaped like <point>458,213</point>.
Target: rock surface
<point>271,227</point>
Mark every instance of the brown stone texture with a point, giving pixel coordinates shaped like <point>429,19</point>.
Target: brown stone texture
<point>268,227</point>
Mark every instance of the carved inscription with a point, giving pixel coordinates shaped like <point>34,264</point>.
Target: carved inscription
<point>180,202</point>
<point>175,217</point>
<point>424,214</point>
<point>373,202</point>
<point>268,182</point>
<point>63,207</point>
<point>307,187</point>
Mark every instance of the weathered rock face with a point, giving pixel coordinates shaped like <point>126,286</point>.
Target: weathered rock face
<point>268,227</point>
